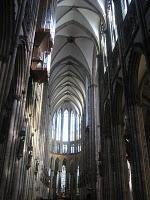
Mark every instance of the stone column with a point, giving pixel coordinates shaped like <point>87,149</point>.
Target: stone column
<point>59,181</point>
<point>8,151</point>
<point>13,164</point>
<point>92,166</point>
<point>51,183</point>
<point>9,70</point>
<point>146,114</point>
<point>72,185</point>
<point>120,164</point>
<point>84,164</point>
<point>144,30</point>
<point>107,170</point>
<point>139,155</point>
<point>4,66</point>
<point>101,112</point>
<point>54,185</point>
<point>140,168</point>
<point>67,189</point>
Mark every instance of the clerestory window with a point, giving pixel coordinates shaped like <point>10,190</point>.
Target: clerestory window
<point>66,130</point>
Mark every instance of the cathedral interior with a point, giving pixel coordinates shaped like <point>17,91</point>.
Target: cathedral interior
<point>74,100</point>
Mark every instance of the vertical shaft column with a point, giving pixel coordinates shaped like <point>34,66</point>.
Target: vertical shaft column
<point>120,163</point>
<point>144,30</point>
<point>67,181</point>
<point>139,155</point>
<point>92,172</point>
<point>107,172</point>
<point>54,185</point>
<point>10,69</point>
<point>59,181</point>
<point>8,151</point>
<point>107,180</point>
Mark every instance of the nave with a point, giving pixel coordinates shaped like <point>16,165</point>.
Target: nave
<point>74,100</point>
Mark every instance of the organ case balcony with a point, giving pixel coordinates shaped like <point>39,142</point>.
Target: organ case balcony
<point>39,66</point>
<point>43,39</point>
<point>42,48</point>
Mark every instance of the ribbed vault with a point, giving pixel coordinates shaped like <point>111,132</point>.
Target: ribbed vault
<point>76,42</point>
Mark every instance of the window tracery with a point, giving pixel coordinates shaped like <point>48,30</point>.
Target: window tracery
<point>65,126</point>
<point>66,130</point>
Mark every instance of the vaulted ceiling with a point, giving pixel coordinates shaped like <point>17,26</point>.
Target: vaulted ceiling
<point>75,47</point>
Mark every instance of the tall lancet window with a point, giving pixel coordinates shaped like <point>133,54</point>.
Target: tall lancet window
<point>58,135</point>
<point>54,126</point>
<point>65,126</point>
<point>66,130</point>
<point>77,127</point>
<point>72,127</point>
<point>63,178</point>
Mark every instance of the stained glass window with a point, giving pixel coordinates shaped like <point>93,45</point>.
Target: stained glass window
<point>58,135</point>
<point>72,127</point>
<point>65,130</point>
<point>65,126</point>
